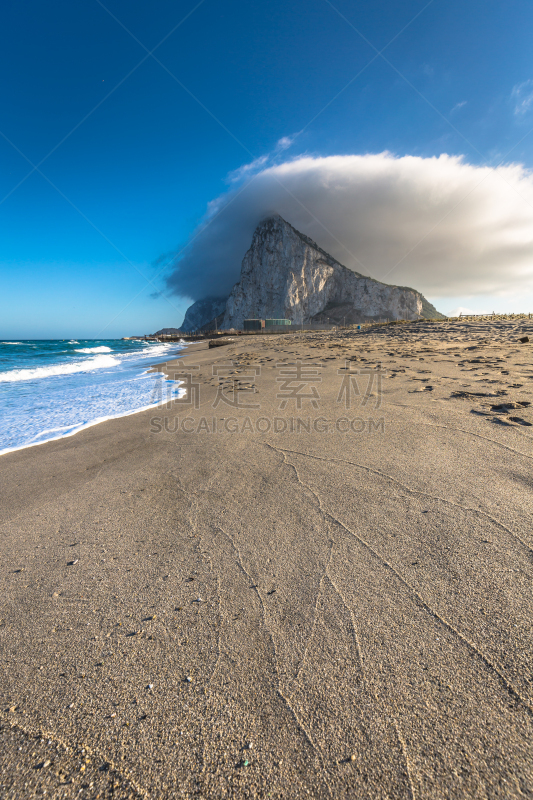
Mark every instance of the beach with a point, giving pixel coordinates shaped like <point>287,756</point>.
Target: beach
<point>309,576</point>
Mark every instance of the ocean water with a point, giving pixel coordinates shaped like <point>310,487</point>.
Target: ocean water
<point>51,389</point>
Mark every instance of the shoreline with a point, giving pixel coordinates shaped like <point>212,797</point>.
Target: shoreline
<point>81,428</point>
<point>190,613</point>
<point>150,369</point>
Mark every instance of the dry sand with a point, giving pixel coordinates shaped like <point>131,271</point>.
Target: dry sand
<point>322,613</point>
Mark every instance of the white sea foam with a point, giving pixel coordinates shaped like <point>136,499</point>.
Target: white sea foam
<point>101,349</point>
<point>73,341</point>
<point>54,370</point>
<point>64,431</point>
<point>151,351</point>
<point>11,342</point>
<point>85,390</point>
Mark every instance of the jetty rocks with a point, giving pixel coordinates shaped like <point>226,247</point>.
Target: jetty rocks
<point>285,274</point>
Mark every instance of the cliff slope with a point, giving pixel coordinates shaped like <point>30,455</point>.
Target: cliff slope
<point>202,312</point>
<point>286,274</point>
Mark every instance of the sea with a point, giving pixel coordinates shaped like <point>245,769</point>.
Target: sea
<point>51,389</point>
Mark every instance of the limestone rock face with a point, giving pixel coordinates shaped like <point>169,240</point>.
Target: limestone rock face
<point>285,274</point>
<point>202,312</point>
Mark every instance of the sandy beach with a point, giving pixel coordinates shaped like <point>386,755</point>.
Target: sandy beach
<point>309,578</point>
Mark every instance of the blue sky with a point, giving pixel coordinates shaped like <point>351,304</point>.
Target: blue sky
<point>146,146</point>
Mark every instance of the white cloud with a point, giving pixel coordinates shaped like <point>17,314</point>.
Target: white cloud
<point>247,169</point>
<point>522,96</point>
<point>240,174</point>
<point>445,227</point>
<point>458,106</point>
<point>285,142</point>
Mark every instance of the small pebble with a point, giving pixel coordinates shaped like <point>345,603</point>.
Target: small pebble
<point>188,679</point>
<point>353,757</point>
<point>150,686</point>
<point>47,763</point>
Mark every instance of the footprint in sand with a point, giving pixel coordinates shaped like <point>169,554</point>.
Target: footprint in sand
<point>511,404</point>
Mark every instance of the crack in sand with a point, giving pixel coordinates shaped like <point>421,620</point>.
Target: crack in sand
<point>366,683</point>
<point>69,751</point>
<point>311,634</point>
<point>355,636</point>
<point>378,701</point>
<point>308,736</point>
<point>279,690</point>
<point>326,574</point>
<point>219,635</point>
<point>509,687</point>
<point>219,603</point>
<point>407,760</point>
<point>412,491</point>
<point>469,433</point>
<point>315,615</point>
<point>386,715</point>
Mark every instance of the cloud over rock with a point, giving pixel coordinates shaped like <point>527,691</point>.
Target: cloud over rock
<point>440,225</point>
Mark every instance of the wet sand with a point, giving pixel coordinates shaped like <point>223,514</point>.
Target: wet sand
<point>194,604</point>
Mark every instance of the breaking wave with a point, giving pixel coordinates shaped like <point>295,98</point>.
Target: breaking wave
<point>102,349</point>
<point>55,370</point>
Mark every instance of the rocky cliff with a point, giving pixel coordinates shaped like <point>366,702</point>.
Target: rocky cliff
<point>203,312</point>
<point>286,274</point>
